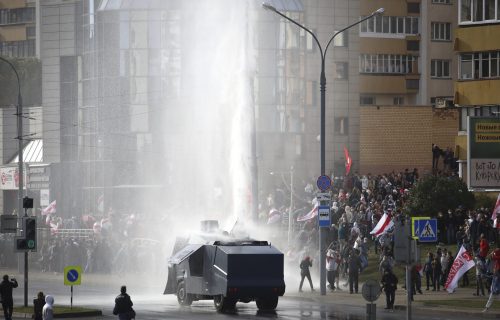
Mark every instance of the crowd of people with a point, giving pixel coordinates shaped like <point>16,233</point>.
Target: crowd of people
<point>115,246</point>
<point>358,203</point>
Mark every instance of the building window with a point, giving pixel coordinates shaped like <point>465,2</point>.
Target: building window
<point>484,111</point>
<point>341,125</point>
<point>441,31</point>
<point>479,11</point>
<point>387,63</point>
<point>479,65</point>
<point>397,101</point>
<point>20,49</point>
<point>30,32</point>
<point>17,16</point>
<point>341,39</point>
<point>310,43</point>
<point>366,100</point>
<point>386,25</point>
<point>341,70</point>
<point>442,1</point>
<point>413,45</point>
<point>413,7</point>
<point>311,93</point>
<point>440,69</point>
<point>412,84</point>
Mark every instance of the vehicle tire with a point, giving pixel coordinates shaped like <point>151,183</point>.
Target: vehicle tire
<point>223,304</point>
<point>184,298</point>
<point>267,303</point>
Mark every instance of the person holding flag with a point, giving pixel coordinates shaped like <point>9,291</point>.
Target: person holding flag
<point>463,262</point>
<point>495,284</point>
<point>384,225</point>
<point>495,216</point>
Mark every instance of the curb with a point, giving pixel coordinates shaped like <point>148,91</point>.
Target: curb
<point>82,314</point>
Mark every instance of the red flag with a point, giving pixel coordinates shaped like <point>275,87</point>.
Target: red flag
<point>348,161</point>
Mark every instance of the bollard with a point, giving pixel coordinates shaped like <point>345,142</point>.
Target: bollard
<point>371,311</point>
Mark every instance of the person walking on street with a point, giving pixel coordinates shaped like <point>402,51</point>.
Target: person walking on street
<point>48,308</point>
<point>428,270</point>
<point>354,269</point>
<point>6,287</point>
<point>38,304</point>
<point>123,305</point>
<point>436,274</point>
<point>331,268</point>
<point>305,264</point>
<point>480,275</point>
<point>389,284</point>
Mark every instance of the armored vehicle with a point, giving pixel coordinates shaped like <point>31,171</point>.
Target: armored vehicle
<point>227,271</point>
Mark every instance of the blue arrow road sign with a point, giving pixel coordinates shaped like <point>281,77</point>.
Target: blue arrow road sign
<point>427,230</point>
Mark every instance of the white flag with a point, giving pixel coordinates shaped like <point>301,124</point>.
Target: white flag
<point>463,262</point>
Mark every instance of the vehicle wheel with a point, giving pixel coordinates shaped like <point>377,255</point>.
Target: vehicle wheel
<point>267,303</point>
<point>223,304</point>
<point>183,297</point>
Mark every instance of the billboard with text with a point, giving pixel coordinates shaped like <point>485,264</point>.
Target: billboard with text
<point>483,153</point>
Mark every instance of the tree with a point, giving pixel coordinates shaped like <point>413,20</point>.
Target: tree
<point>433,194</point>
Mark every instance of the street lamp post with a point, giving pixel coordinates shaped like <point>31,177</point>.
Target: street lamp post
<point>19,114</point>
<point>322,82</point>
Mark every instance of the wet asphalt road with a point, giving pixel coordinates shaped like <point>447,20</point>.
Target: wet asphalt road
<point>150,303</point>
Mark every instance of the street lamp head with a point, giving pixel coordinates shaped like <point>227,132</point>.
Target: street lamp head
<point>379,11</point>
<point>267,6</point>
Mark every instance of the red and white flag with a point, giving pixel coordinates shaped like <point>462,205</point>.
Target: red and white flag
<point>496,210</point>
<point>384,224</point>
<point>311,214</point>
<point>463,262</point>
<point>348,161</point>
<point>50,209</point>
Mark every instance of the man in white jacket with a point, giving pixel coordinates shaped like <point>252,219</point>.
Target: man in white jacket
<point>47,311</point>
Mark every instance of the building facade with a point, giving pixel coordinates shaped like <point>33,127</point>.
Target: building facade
<point>477,45</point>
<point>18,28</point>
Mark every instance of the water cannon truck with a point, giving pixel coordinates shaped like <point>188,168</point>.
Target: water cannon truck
<point>215,266</point>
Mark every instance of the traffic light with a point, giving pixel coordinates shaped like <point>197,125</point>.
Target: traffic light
<point>30,232</point>
<point>28,241</point>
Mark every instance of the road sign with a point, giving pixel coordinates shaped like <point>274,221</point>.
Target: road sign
<point>323,197</point>
<point>72,275</point>
<point>371,290</point>
<point>8,223</point>
<point>415,226</point>
<point>427,230</point>
<point>324,182</point>
<point>324,216</point>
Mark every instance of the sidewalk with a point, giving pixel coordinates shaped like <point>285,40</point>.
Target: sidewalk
<point>343,297</point>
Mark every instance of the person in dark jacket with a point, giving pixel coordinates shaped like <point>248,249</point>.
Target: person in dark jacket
<point>428,270</point>
<point>436,274</point>
<point>123,305</point>
<point>354,269</point>
<point>38,304</point>
<point>389,284</point>
<point>305,264</point>
<point>6,295</point>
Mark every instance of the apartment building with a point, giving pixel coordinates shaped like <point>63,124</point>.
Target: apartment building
<point>18,28</point>
<point>406,59</point>
<point>477,45</point>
